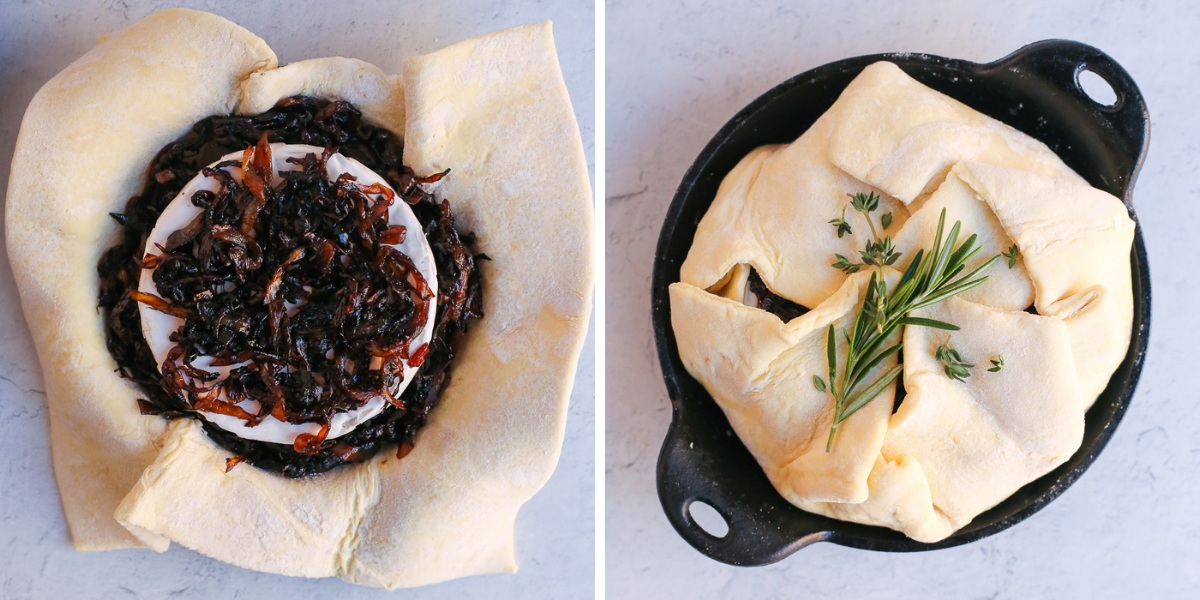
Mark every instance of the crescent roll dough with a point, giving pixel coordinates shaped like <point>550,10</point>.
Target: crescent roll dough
<point>957,448</point>
<point>953,449</point>
<point>902,137</point>
<point>772,211</point>
<point>1005,288</point>
<point>1075,242</point>
<point>379,96</point>
<point>760,371</point>
<point>495,110</point>
<point>84,145</point>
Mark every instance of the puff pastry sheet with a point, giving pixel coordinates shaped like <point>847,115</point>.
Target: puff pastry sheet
<point>953,449</point>
<point>494,109</point>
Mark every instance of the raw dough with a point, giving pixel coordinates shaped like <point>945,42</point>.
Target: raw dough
<point>84,145</point>
<point>379,96</point>
<point>953,449</point>
<point>772,212</point>
<point>1005,288</point>
<point>1075,242</point>
<point>973,443</point>
<point>519,180</point>
<point>902,137</point>
<point>760,371</point>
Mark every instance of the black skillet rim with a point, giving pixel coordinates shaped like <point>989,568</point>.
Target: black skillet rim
<point>1134,132</point>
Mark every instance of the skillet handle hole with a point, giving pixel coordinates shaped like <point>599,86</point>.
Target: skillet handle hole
<point>1096,87</point>
<point>708,519</point>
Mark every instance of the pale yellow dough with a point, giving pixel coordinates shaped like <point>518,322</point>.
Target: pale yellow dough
<point>953,449</point>
<point>902,137</point>
<point>760,369</point>
<point>82,152</point>
<point>976,441</point>
<point>772,212</point>
<point>494,109</point>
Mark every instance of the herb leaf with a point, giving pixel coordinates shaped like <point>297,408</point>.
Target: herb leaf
<point>997,364</point>
<point>1011,255</point>
<point>864,203</point>
<point>818,383</point>
<point>842,226</point>
<point>843,264</point>
<point>880,253</point>
<point>952,363</point>
<point>886,220</point>
<point>934,275</point>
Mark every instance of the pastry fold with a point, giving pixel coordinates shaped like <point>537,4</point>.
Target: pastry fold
<point>1006,288</point>
<point>953,449</point>
<point>902,137</point>
<point>1075,242</point>
<point>760,372</point>
<point>957,448</point>
<point>495,110</point>
<point>84,145</point>
<point>772,212</point>
<point>378,95</point>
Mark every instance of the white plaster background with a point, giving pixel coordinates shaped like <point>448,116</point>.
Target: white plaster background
<point>555,531</point>
<point>677,71</point>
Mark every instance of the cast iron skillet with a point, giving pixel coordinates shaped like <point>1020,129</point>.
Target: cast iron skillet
<point>1034,90</point>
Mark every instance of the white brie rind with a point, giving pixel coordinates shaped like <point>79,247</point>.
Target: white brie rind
<point>157,326</point>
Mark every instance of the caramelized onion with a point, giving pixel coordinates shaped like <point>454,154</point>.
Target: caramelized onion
<point>372,303</point>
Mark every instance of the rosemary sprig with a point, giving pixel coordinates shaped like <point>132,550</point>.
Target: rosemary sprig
<point>932,277</point>
<point>1011,255</point>
<point>952,363</point>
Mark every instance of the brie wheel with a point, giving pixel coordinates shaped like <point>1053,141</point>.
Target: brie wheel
<point>158,327</point>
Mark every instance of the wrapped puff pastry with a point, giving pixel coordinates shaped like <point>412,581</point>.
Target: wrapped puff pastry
<point>953,449</point>
<point>496,110</point>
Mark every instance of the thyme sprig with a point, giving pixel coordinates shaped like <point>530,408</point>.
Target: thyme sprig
<point>997,364</point>
<point>952,362</point>
<point>879,252</point>
<point>932,277</point>
<point>1011,255</point>
<point>842,226</point>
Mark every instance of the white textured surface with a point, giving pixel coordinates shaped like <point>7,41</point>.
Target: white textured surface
<point>677,72</point>
<point>555,543</point>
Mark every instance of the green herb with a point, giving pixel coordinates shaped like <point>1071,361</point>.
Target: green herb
<point>997,364</point>
<point>842,226</point>
<point>818,383</point>
<point>932,277</point>
<point>952,363</point>
<point>1011,255</point>
<point>879,252</point>
<point>864,203</point>
<point>844,264</point>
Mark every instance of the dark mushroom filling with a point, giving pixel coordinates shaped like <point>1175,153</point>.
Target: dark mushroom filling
<point>771,302</point>
<point>316,245</point>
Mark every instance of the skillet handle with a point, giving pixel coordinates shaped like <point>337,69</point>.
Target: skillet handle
<point>1059,62</point>
<point>689,471</point>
